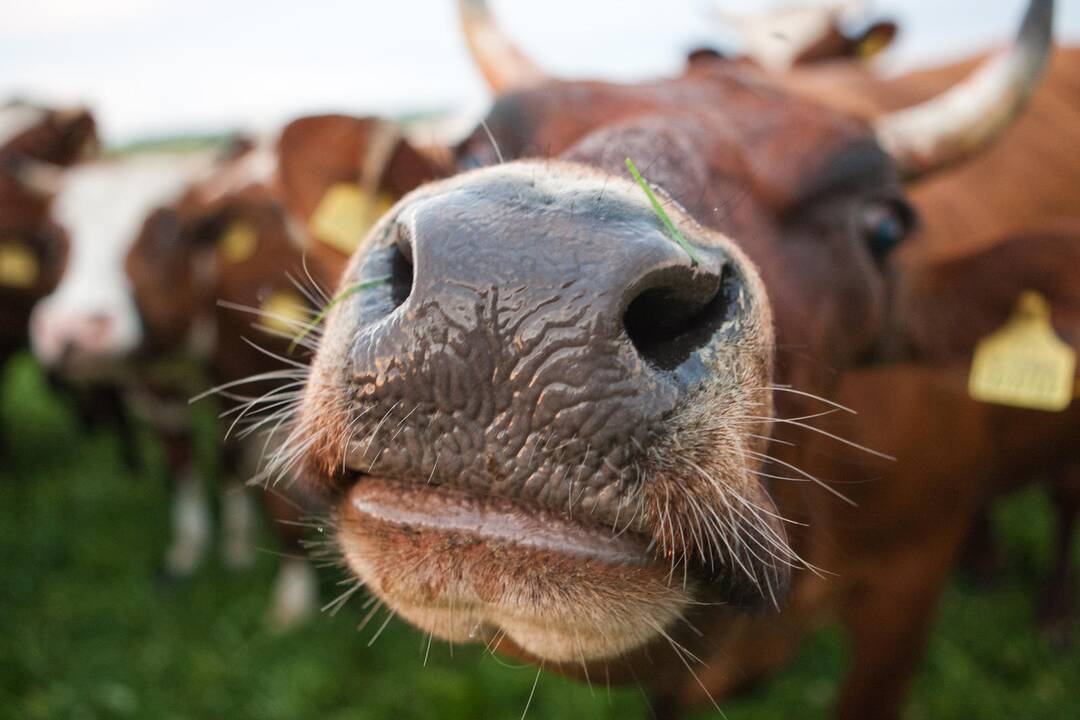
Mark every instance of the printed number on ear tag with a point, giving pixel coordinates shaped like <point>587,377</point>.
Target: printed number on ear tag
<point>284,312</point>
<point>239,241</point>
<point>345,214</point>
<point>18,265</point>
<point>1024,364</point>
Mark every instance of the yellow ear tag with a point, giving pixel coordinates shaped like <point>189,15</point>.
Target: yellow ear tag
<point>1024,364</point>
<point>285,312</point>
<point>239,241</point>
<point>872,44</point>
<point>345,214</point>
<point>18,265</point>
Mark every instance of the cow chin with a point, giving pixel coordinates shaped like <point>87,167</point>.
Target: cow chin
<point>468,568</point>
<point>590,583</point>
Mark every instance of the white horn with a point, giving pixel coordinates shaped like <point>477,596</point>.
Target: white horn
<point>972,113</point>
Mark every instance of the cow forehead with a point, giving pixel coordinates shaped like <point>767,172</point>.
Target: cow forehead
<point>782,147</point>
<point>107,202</point>
<point>17,119</point>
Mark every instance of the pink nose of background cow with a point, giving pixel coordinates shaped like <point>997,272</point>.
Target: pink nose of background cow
<point>63,338</point>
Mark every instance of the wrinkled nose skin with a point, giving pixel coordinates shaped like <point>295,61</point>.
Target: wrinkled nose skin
<point>498,356</point>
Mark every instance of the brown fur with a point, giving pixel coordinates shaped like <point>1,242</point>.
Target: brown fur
<point>891,554</point>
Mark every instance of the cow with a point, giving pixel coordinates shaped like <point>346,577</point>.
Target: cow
<point>805,35</point>
<point>543,397</point>
<point>32,255</point>
<point>276,224</point>
<point>135,310</point>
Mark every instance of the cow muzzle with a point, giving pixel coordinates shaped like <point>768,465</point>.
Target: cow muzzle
<point>537,414</point>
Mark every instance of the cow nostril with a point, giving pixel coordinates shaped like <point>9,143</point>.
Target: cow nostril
<point>401,276</point>
<point>666,326</point>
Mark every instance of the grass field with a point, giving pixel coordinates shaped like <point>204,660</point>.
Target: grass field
<point>87,631</point>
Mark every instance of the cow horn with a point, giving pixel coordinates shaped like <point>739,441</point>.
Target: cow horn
<point>972,113</point>
<point>503,64</point>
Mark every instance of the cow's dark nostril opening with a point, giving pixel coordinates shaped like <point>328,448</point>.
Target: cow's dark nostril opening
<point>666,325</point>
<point>401,276</point>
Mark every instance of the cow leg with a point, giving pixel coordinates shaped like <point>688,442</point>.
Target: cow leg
<point>190,511</point>
<point>888,618</point>
<point>237,511</point>
<point>1055,611</point>
<point>981,561</point>
<point>295,596</point>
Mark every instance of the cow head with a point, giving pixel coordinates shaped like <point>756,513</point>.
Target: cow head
<point>110,215</point>
<point>542,410</point>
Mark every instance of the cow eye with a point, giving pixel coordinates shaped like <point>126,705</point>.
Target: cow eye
<point>884,224</point>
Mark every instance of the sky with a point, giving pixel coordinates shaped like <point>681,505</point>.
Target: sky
<point>161,67</point>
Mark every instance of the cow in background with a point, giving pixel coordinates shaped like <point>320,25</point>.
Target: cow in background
<point>174,259</point>
<point>806,34</point>
<point>32,253</point>
<point>278,223</point>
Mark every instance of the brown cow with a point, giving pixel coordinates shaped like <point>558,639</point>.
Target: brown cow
<point>31,257</point>
<point>258,239</point>
<point>32,254</point>
<point>542,411</point>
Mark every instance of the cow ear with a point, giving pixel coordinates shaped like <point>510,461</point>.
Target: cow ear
<point>36,177</point>
<point>874,40</point>
<point>337,175</point>
<point>79,131</point>
<point>408,169</point>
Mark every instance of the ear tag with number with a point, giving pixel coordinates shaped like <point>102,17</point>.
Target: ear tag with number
<point>18,265</point>
<point>239,241</point>
<point>285,312</point>
<point>1024,364</point>
<point>345,214</point>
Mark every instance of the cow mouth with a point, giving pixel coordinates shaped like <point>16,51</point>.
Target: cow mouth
<point>467,567</point>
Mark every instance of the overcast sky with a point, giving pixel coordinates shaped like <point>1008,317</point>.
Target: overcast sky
<point>162,66</point>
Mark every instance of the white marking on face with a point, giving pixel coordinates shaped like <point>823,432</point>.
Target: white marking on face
<point>102,207</point>
<point>17,119</point>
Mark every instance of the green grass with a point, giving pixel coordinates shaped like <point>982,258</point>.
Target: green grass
<point>87,630</point>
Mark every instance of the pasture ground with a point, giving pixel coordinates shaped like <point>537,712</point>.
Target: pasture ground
<point>88,631</point>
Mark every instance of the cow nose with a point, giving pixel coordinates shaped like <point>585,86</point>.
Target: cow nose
<point>61,337</point>
<point>461,262</point>
<point>511,311</point>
